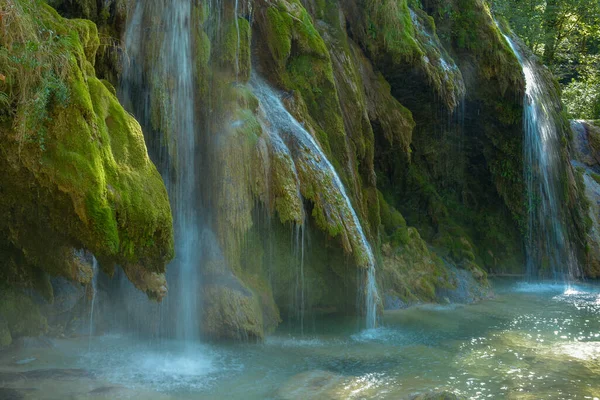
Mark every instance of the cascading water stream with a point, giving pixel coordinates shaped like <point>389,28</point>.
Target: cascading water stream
<point>548,243</point>
<point>174,66</point>
<point>288,130</point>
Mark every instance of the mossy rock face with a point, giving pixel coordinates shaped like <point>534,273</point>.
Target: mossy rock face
<point>19,316</point>
<point>5,336</point>
<point>495,85</point>
<point>411,273</point>
<point>403,43</point>
<point>463,173</point>
<point>83,179</point>
<point>585,153</point>
<point>231,313</point>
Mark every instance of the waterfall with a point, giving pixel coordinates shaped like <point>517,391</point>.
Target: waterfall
<point>287,131</point>
<point>179,64</point>
<point>172,73</point>
<point>300,278</point>
<point>549,249</point>
<point>94,290</point>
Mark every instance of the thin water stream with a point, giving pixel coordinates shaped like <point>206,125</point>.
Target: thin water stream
<point>94,288</point>
<point>532,341</point>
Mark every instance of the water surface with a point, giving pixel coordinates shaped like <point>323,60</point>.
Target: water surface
<point>532,341</point>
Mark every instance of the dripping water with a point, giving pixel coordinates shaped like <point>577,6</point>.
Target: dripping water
<point>94,291</point>
<point>300,277</point>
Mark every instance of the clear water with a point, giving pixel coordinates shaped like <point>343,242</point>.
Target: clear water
<point>287,133</point>
<point>530,342</point>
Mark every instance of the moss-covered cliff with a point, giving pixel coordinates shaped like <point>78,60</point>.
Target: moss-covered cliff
<point>75,170</point>
<point>417,106</point>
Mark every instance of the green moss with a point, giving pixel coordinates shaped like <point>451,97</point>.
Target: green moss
<point>202,53</point>
<point>285,188</point>
<point>390,29</point>
<point>303,64</point>
<point>410,271</point>
<point>235,50</point>
<point>280,35</point>
<point>99,189</point>
<point>393,222</point>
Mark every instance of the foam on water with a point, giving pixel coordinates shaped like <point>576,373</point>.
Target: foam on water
<point>168,367</point>
<point>380,334</point>
<point>539,287</point>
<point>280,341</point>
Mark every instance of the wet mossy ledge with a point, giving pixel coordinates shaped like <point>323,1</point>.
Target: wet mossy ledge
<point>75,172</point>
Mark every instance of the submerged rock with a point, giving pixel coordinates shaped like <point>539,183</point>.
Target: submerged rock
<point>11,394</point>
<point>315,384</point>
<point>437,396</point>
<point>19,317</point>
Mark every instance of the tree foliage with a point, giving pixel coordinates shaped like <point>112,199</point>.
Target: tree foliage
<point>565,34</point>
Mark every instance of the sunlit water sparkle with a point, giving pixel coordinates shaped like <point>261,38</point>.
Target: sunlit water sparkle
<point>532,341</point>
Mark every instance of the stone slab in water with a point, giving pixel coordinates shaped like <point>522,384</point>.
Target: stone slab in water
<point>437,396</point>
<point>38,374</point>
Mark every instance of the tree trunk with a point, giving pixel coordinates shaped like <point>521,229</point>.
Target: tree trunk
<point>550,25</point>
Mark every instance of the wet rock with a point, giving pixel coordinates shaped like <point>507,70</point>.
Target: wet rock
<point>5,336</point>
<point>467,288</point>
<point>106,390</point>
<point>231,312</point>
<point>10,394</point>
<point>585,157</point>
<point>66,295</point>
<point>315,384</point>
<point>437,396</point>
<point>19,316</point>
<point>60,374</point>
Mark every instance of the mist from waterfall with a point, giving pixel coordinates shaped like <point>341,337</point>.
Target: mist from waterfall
<point>549,249</point>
